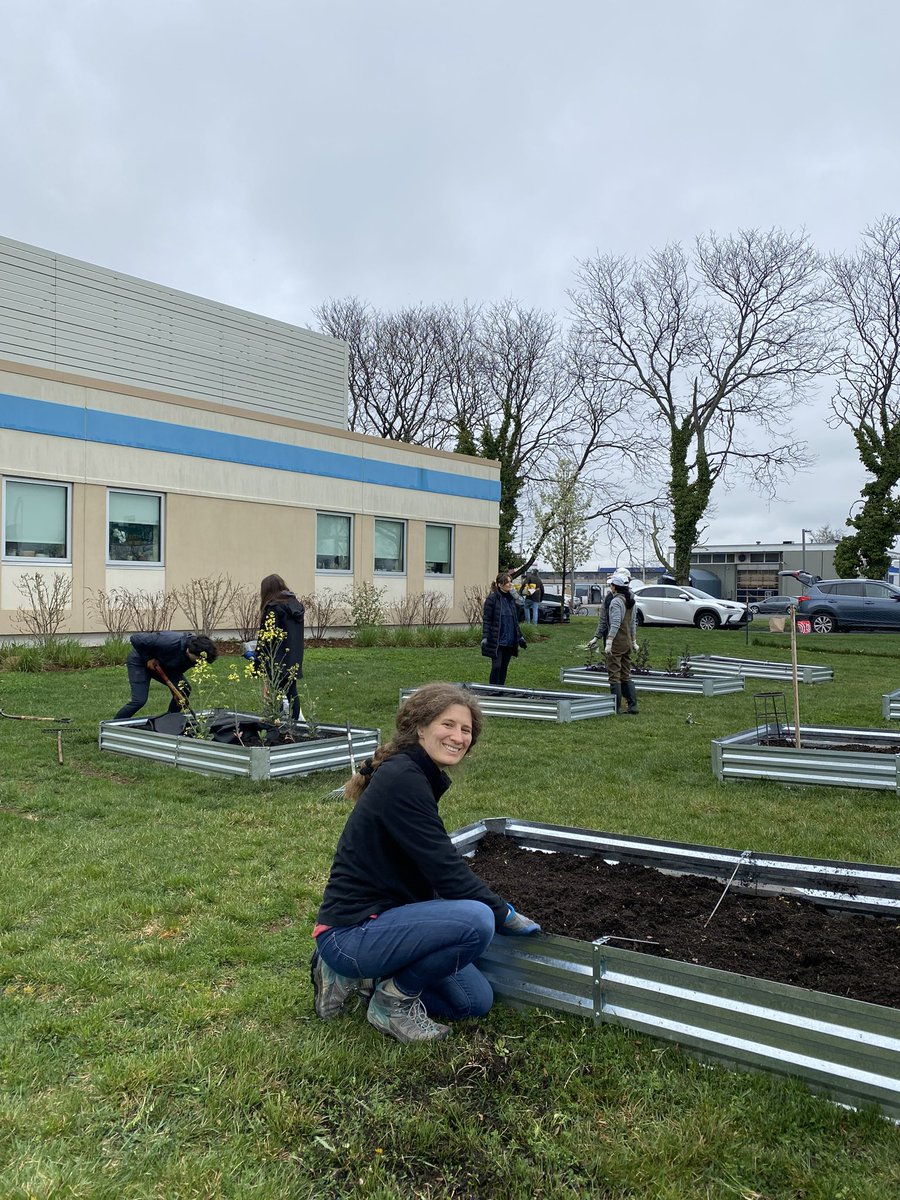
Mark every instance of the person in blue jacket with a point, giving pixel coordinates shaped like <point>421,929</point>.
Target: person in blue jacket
<point>404,917</point>
<point>155,654</point>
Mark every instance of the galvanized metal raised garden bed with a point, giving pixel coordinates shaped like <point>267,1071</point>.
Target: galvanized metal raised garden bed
<point>252,762</point>
<point>496,701</point>
<point>659,681</point>
<point>740,756</point>
<point>720,664</point>
<point>846,1048</point>
<point>890,706</point>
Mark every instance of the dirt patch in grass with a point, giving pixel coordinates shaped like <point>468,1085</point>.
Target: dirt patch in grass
<point>771,937</point>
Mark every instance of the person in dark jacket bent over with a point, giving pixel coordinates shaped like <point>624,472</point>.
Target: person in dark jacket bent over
<point>153,655</point>
<point>403,917</point>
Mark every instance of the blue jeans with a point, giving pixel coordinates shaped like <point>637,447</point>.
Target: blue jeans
<point>428,948</point>
<point>532,608</point>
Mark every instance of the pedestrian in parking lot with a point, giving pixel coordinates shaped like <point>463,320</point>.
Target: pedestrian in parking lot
<point>532,593</point>
<point>617,627</point>
<point>501,639</point>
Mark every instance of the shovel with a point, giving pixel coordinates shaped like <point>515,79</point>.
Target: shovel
<point>21,717</point>
<point>180,698</point>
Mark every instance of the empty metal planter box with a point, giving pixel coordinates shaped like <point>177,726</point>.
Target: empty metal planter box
<point>720,664</point>
<point>890,706</point>
<point>659,681</point>
<point>251,762</point>
<point>496,701</point>
<point>818,761</point>
<point>846,1048</point>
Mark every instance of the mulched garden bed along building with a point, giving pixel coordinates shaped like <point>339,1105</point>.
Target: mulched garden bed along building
<point>780,938</point>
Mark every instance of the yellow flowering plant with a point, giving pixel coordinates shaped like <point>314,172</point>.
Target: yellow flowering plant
<point>269,672</point>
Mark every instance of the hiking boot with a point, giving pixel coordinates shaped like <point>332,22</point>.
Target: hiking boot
<point>402,1017</point>
<point>332,993</point>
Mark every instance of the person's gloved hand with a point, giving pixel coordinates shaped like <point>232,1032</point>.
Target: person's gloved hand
<point>636,647</point>
<point>518,925</point>
<point>592,644</point>
<point>523,645</point>
<point>608,646</point>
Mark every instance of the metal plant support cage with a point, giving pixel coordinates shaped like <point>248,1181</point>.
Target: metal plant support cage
<point>771,715</point>
<point>848,1049</point>
<point>535,704</point>
<point>252,762</point>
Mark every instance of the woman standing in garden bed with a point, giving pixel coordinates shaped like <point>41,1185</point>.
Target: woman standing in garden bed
<point>617,626</point>
<point>404,918</point>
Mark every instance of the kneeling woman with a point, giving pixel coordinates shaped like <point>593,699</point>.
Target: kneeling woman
<point>403,916</point>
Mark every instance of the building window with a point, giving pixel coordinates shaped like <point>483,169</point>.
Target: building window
<point>134,527</point>
<point>438,549</point>
<point>390,547</point>
<point>334,535</point>
<point>36,520</point>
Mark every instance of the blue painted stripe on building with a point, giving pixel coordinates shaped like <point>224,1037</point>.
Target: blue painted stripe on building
<point>114,429</point>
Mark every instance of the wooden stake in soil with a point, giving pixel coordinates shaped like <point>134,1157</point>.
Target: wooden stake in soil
<point>794,676</point>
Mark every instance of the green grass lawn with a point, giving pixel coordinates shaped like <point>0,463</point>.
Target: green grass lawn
<point>156,1029</point>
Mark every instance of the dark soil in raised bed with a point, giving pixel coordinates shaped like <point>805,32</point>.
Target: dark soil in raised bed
<point>850,747</point>
<point>770,937</point>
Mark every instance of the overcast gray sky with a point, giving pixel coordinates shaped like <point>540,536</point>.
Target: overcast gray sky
<point>275,153</point>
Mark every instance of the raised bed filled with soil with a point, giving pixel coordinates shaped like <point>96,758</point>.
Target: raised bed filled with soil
<point>794,972</point>
<point>535,705</point>
<point>829,755</point>
<point>330,749</point>
<point>658,681</point>
<point>720,664</point>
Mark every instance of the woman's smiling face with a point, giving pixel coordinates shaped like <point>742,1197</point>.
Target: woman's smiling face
<point>447,738</point>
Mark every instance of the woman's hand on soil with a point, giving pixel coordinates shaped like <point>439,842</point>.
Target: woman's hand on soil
<point>518,924</point>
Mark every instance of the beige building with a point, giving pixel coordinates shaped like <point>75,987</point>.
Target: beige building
<point>148,438</point>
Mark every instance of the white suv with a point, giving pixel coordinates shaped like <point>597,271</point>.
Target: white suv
<point>671,604</point>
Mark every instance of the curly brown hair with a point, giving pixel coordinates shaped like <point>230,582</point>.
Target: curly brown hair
<point>421,708</point>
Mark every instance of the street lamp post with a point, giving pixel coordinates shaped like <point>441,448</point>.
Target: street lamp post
<point>803,533</point>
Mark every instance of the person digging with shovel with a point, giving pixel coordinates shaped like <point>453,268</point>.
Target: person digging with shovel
<point>404,917</point>
<point>165,657</point>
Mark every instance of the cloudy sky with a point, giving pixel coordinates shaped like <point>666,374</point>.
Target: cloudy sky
<point>273,154</point>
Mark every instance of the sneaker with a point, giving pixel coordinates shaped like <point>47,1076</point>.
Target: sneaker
<point>332,992</point>
<point>403,1017</point>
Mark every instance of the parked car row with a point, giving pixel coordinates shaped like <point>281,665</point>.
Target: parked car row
<point>833,604</point>
<point>671,604</point>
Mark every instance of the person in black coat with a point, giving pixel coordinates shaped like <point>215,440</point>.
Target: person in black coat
<point>156,654</point>
<point>287,652</point>
<point>404,917</point>
<point>500,636</point>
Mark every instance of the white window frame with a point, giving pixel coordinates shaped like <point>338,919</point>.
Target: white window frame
<point>130,564</point>
<point>448,574</point>
<point>334,570</point>
<point>391,521</point>
<point>39,559</point>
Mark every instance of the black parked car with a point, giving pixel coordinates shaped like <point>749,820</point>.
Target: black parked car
<point>551,610</point>
<point>832,604</point>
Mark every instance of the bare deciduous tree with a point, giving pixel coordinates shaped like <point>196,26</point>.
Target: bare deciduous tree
<point>717,348</point>
<point>473,604</point>
<point>867,401</point>
<point>245,611</point>
<point>47,598</point>
<point>113,610</point>
<point>404,611</point>
<point>434,607</point>
<point>321,609</point>
<point>205,602</point>
<point>151,612</point>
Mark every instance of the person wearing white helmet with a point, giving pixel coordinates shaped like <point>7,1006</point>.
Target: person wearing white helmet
<point>618,629</point>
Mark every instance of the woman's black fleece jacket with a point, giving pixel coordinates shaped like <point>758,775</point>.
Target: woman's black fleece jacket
<point>395,850</point>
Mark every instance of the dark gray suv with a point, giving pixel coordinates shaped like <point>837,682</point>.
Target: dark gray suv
<point>832,604</point>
